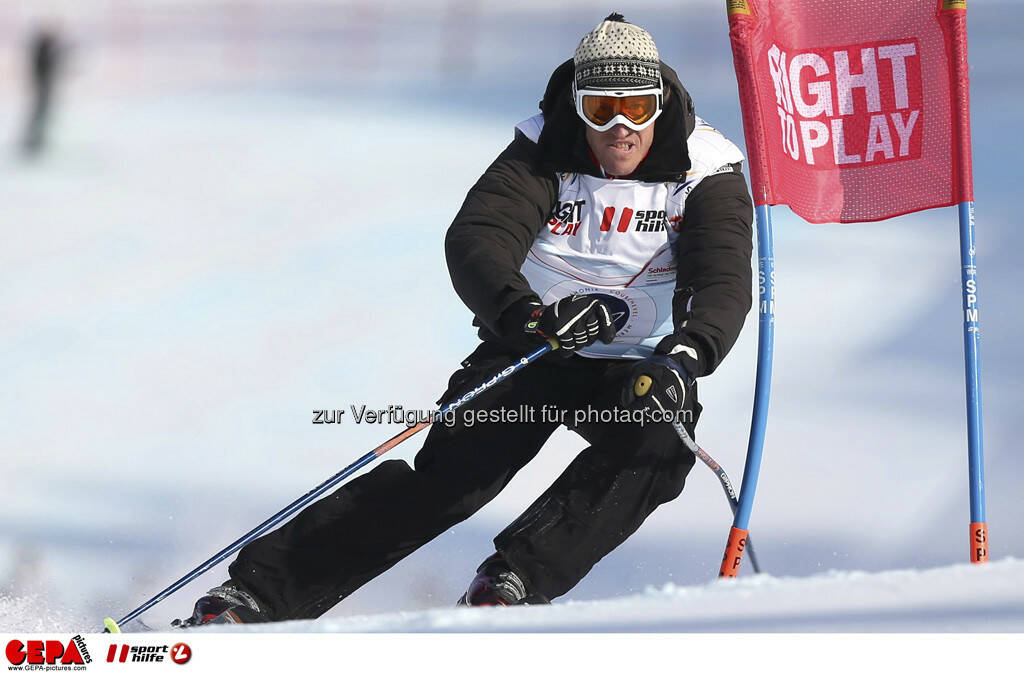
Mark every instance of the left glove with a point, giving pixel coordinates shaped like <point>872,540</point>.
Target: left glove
<point>575,321</point>
<point>663,385</point>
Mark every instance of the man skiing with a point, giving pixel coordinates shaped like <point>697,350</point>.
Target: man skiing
<point>44,57</point>
<point>617,224</point>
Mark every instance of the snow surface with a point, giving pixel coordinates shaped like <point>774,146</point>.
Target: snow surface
<point>221,241</point>
<point>960,598</point>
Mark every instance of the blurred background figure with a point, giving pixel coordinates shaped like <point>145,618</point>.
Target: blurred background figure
<point>45,54</point>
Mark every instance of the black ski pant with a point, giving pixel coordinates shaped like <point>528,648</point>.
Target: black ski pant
<point>347,538</point>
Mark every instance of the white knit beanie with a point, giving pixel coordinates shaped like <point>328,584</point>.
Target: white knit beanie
<point>617,55</point>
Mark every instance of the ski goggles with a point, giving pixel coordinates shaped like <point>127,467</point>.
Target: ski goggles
<point>602,109</point>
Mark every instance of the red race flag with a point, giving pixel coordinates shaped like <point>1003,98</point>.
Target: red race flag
<point>854,111</point>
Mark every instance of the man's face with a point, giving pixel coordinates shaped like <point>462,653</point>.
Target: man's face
<point>620,149</point>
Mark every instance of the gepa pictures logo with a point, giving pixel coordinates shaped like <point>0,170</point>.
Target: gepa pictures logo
<point>849,106</point>
<point>48,655</point>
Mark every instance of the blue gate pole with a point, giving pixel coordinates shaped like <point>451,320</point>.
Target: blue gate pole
<point>762,393</point>
<point>975,442</point>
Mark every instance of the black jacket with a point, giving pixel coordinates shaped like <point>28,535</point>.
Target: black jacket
<point>505,210</point>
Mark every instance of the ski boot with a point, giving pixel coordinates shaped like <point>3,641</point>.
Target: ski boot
<point>497,584</point>
<point>225,604</point>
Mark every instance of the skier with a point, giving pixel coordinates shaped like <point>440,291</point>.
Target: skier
<point>617,223</point>
<point>44,57</point>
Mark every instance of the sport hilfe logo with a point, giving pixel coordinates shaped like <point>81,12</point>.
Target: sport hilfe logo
<point>179,653</point>
<point>48,652</point>
<point>645,220</point>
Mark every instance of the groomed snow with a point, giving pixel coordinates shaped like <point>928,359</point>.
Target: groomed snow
<point>960,598</point>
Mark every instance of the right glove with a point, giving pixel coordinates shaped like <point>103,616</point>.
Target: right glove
<point>664,387</point>
<point>575,322</point>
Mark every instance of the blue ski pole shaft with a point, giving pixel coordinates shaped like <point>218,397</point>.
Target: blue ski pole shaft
<point>312,495</point>
<point>975,443</point>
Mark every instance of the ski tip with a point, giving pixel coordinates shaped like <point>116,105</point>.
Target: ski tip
<point>110,626</point>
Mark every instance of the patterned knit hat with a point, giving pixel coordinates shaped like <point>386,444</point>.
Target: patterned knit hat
<point>617,55</point>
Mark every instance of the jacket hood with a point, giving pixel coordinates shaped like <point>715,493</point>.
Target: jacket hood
<point>562,146</point>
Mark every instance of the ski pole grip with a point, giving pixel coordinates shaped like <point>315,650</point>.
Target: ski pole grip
<point>531,328</point>
<point>644,382</point>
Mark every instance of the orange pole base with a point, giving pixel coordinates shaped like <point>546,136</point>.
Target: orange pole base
<point>733,552</point>
<point>979,542</point>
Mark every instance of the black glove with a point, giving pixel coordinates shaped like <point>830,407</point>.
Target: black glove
<point>683,350</point>
<point>663,385</point>
<point>575,322</point>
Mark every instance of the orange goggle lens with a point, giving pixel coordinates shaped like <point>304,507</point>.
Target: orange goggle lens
<point>602,109</point>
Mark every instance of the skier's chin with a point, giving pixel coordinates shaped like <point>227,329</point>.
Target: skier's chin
<point>619,162</point>
<point>620,149</point>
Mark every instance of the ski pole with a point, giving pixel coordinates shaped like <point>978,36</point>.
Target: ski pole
<point>730,492</point>
<point>113,627</point>
<point>641,388</point>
